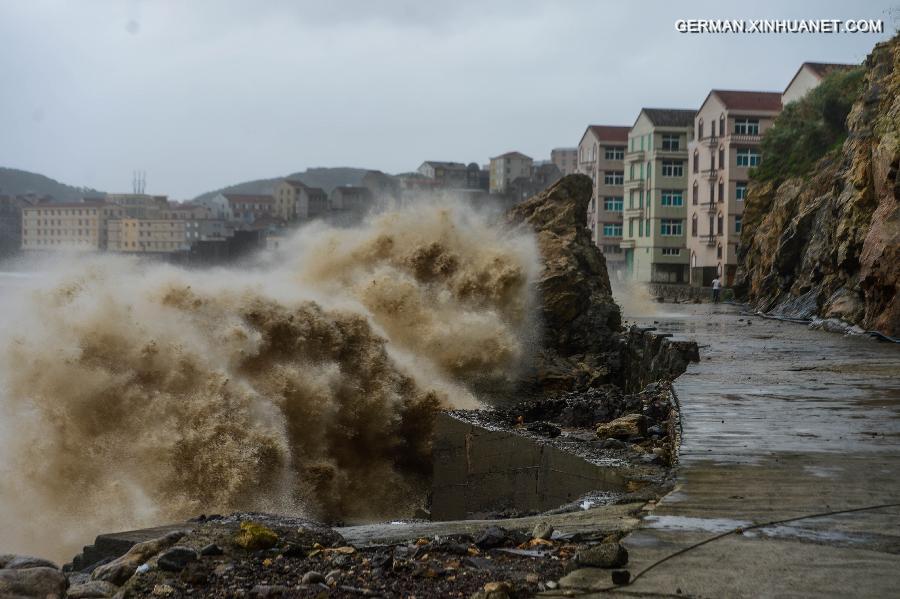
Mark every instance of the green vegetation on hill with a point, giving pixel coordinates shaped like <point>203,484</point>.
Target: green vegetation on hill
<point>810,128</point>
<point>324,177</point>
<point>16,182</point>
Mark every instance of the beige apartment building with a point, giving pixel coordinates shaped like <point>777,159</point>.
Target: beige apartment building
<point>294,200</point>
<point>508,167</point>
<point>61,226</point>
<point>728,129</point>
<point>147,235</point>
<point>601,156</point>
<point>807,77</point>
<point>656,183</point>
<point>565,159</point>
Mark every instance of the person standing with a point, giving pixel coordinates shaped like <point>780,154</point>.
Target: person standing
<point>717,289</point>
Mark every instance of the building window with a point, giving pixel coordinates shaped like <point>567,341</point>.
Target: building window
<point>672,168</point>
<point>740,191</point>
<point>712,126</point>
<point>671,227</point>
<point>696,194</point>
<point>616,153</point>
<point>613,204</point>
<point>746,126</point>
<point>721,158</point>
<point>670,142</point>
<point>672,197</point>
<point>738,223</point>
<point>614,177</point>
<point>700,129</point>
<point>694,226</point>
<point>671,251</point>
<point>722,123</point>
<point>747,157</point>
<point>720,224</point>
<point>612,229</point>
<point>696,162</point>
<point>721,191</point>
<point>719,251</point>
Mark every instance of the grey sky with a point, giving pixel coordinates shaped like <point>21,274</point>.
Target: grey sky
<point>205,93</point>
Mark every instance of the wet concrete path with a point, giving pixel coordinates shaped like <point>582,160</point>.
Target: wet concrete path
<point>779,422</point>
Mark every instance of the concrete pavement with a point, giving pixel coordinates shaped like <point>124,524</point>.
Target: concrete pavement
<point>779,422</point>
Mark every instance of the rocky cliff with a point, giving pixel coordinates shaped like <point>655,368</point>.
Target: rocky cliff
<point>827,245</point>
<point>581,321</point>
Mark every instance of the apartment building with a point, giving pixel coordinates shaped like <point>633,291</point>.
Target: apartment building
<point>76,225</point>
<point>601,156</point>
<point>506,168</point>
<point>247,208</point>
<point>11,223</point>
<point>727,133</point>
<point>565,159</point>
<point>294,200</point>
<point>351,198</point>
<point>147,235</point>
<point>446,174</point>
<point>807,77</point>
<point>656,183</point>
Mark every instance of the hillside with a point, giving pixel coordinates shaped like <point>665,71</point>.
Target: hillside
<point>825,242</point>
<point>14,181</point>
<point>324,177</point>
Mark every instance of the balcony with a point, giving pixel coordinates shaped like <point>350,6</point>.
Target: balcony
<point>633,213</point>
<point>626,244</point>
<point>680,153</point>
<point>634,156</point>
<point>710,207</point>
<point>709,239</point>
<point>712,140</point>
<point>633,184</point>
<point>709,173</point>
<point>742,138</point>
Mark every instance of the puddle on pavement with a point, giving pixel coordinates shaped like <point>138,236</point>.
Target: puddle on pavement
<point>713,525</point>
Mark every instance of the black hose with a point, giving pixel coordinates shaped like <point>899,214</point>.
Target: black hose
<point>741,529</point>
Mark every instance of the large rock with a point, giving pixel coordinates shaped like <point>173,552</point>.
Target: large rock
<point>11,561</point>
<point>604,555</point>
<point>121,569</point>
<point>93,589</point>
<point>631,425</point>
<point>580,319</point>
<point>828,245</point>
<point>36,583</point>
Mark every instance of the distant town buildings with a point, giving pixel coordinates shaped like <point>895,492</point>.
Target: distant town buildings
<point>808,76</point>
<point>601,156</point>
<point>728,129</point>
<point>565,159</point>
<point>656,183</point>
<point>506,168</point>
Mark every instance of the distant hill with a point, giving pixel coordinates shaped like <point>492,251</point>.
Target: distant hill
<point>14,182</point>
<point>324,177</point>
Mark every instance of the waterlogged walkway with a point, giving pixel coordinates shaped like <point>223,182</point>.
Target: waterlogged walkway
<point>779,422</point>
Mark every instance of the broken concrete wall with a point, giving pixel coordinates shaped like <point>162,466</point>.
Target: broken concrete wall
<point>478,471</point>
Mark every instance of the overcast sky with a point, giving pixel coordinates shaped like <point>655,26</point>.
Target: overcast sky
<point>205,93</point>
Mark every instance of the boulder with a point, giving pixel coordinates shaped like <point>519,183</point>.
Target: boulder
<point>93,589</point>
<point>254,536</point>
<point>37,583</point>
<point>121,569</point>
<point>11,561</point>
<point>176,558</point>
<point>604,555</point>
<point>626,427</point>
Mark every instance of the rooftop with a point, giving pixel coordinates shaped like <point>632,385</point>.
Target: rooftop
<point>670,117</point>
<point>512,154</point>
<point>609,132</point>
<point>748,100</point>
